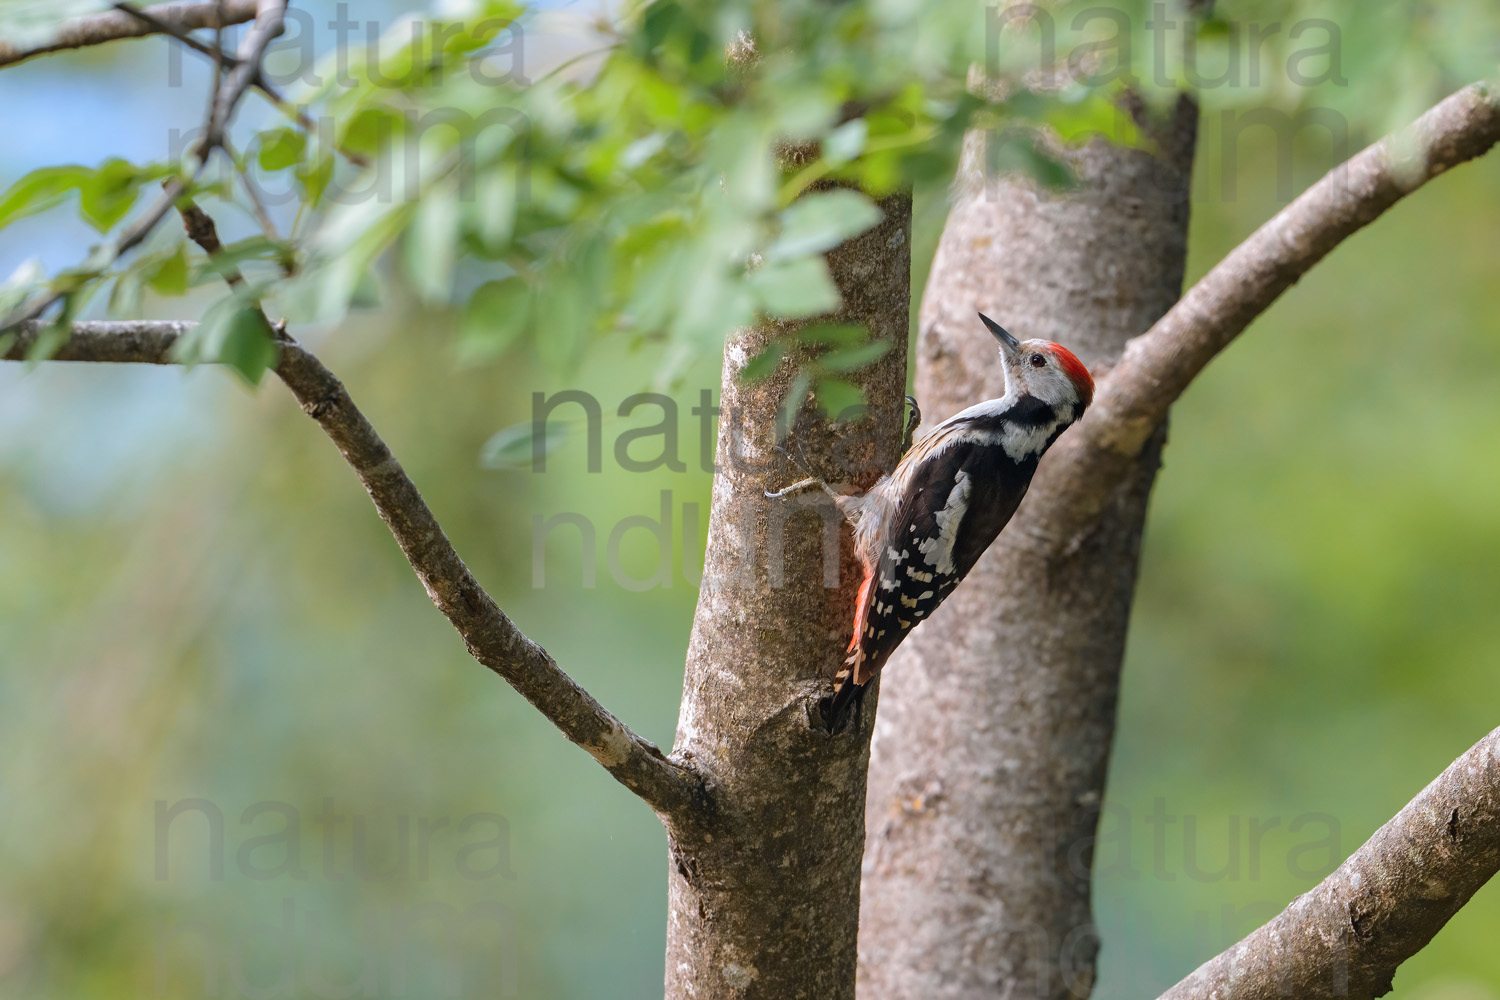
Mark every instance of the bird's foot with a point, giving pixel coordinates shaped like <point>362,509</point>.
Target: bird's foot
<point>913,420</point>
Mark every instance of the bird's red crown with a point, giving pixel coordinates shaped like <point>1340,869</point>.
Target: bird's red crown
<point>1069,363</point>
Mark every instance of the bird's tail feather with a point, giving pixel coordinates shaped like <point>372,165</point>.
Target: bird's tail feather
<point>846,696</point>
<point>849,682</point>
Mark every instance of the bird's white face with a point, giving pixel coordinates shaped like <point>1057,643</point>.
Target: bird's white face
<point>1048,372</point>
<point>1043,370</point>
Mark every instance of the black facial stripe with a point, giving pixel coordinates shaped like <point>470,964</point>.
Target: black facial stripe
<point>1030,412</point>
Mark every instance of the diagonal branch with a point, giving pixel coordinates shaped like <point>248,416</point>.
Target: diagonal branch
<point>268,26</point>
<point>96,29</point>
<point>1347,936</point>
<point>673,791</point>
<point>1158,366</point>
<point>214,52</point>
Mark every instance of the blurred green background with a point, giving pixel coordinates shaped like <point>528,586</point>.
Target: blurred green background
<point>197,602</point>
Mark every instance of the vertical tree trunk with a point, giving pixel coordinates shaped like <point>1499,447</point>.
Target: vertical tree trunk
<point>990,752</point>
<point>764,896</point>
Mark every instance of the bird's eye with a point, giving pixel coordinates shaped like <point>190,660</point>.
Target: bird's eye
<point>1037,361</point>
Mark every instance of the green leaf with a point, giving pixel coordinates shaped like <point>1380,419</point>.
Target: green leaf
<point>795,288</point>
<point>39,191</point>
<point>496,315</point>
<point>366,291</point>
<point>833,334</point>
<point>821,221</point>
<point>840,400</point>
<point>803,112</point>
<point>125,295</point>
<point>246,345</point>
<point>108,194</point>
<point>1076,122</point>
<point>1016,152</point>
<point>170,276</point>
<point>55,334</point>
<point>851,358</point>
<point>740,149</point>
<point>370,130</point>
<point>343,250</point>
<point>166,271</point>
<point>232,332</point>
<point>431,244</point>
<point>280,148</point>
<point>559,341</point>
<point>48,341</point>
<point>796,395</point>
<point>17,288</point>
<point>514,448</point>
<point>764,363</point>
<point>314,178</point>
<point>845,142</point>
<point>495,197</point>
<point>232,255</point>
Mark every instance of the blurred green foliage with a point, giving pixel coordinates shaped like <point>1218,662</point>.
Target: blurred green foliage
<point>196,600</point>
<point>652,194</point>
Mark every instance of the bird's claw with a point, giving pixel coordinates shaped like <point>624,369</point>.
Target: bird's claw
<point>913,420</point>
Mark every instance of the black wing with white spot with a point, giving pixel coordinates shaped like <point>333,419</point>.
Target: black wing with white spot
<point>973,486</point>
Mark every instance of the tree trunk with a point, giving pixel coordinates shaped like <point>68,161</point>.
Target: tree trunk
<point>990,752</point>
<point>763,896</point>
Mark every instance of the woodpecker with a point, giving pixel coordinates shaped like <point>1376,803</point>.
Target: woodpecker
<point>920,529</point>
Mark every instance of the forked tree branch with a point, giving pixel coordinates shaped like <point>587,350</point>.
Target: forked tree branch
<point>270,16</point>
<point>213,52</point>
<point>1158,366</point>
<point>109,26</point>
<point>674,792</point>
<point>1347,936</point>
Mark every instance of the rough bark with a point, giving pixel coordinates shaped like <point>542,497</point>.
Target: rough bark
<point>1347,936</point>
<point>989,759</point>
<point>990,752</point>
<point>764,897</point>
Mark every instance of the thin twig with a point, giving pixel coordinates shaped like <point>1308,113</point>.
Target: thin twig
<point>221,62</point>
<point>257,207</point>
<point>202,231</point>
<point>259,81</point>
<point>158,26</point>
<point>97,29</point>
<point>267,26</point>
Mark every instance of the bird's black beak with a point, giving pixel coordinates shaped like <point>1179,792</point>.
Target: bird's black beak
<point>1007,342</point>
